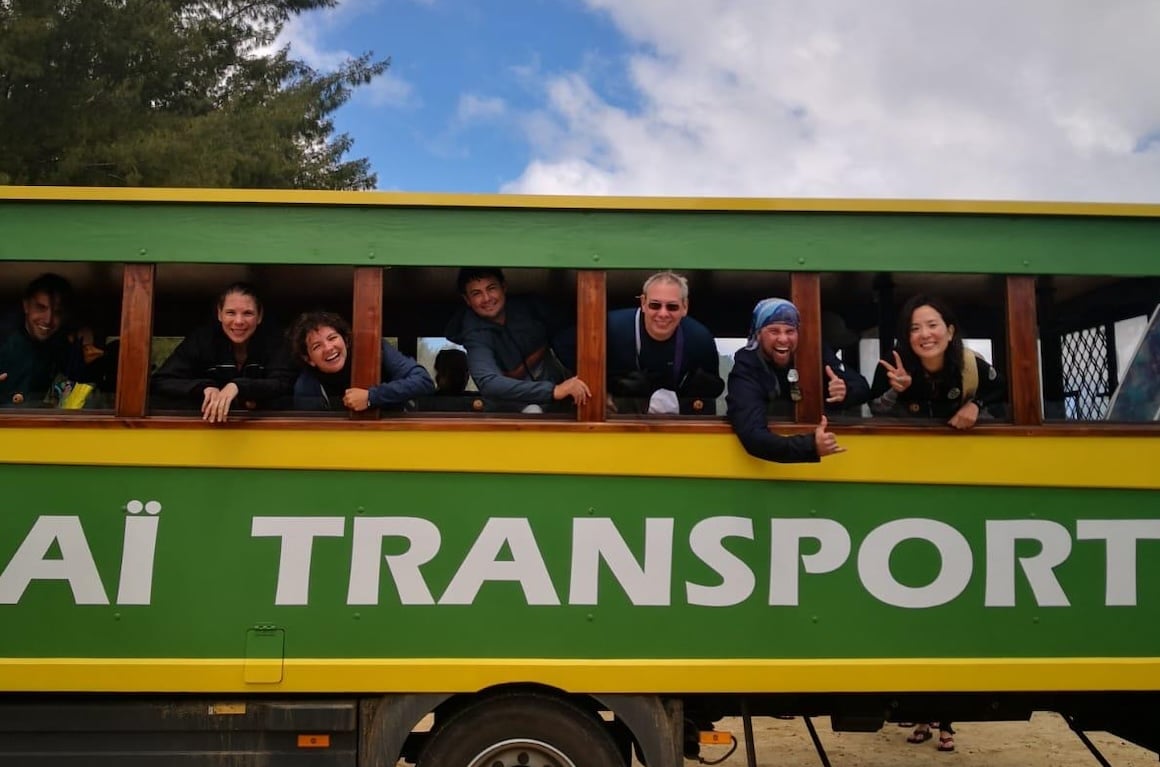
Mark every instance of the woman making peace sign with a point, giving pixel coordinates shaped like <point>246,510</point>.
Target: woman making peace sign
<point>932,374</point>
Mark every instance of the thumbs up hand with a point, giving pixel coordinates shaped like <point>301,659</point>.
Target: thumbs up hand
<point>835,387</point>
<point>825,442</point>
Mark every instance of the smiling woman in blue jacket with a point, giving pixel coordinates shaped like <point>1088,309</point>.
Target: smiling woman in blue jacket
<point>322,340</point>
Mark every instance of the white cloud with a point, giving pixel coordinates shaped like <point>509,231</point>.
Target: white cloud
<point>390,90</point>
<point>307,37</point>
<point>475,107</point>
<point>1039,99</point>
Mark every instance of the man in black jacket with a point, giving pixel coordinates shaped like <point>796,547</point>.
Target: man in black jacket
<point>764,379</point>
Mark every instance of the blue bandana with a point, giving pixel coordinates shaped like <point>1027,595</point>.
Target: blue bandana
<point>769,311</point>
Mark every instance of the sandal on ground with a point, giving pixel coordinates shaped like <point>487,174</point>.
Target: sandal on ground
<point>946,742</point>
<point>921,734</point>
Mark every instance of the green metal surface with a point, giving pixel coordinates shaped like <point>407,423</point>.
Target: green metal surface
<point>779,241</point>
<point>214,583</point>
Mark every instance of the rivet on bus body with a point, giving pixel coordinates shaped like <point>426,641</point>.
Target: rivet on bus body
<point>590,617</point>
<point>359,510</point>
<point>371,255</point>
<point>801,260</point>
<point>813,619</point>
<point>813,512</point>
<point>595,257</point>
<point>591,511</point>
<point>116,616</point>
<point>357,616</point>
<point>1035,619</point>
<point>1026,262</point>
<point>142,252</point>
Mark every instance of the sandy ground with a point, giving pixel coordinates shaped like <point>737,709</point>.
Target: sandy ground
<point>1045,741</point>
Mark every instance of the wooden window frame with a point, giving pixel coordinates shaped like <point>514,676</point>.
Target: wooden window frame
<point>139,284</point>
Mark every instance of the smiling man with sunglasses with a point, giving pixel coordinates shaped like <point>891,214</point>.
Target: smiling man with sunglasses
<point>660,360</point>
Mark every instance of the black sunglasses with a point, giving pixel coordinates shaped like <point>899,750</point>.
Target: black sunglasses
<point>655,306</point>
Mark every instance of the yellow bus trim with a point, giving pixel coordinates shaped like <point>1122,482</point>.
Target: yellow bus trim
<point>370,675</point>
<point>572,202</point>
<point>1120,462</point>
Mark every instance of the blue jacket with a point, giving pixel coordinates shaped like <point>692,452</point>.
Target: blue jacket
<point>699,376</point>
<point>496,354</point>
<point>31,366</point>
<point>753,388</point>
<point>402,379</point>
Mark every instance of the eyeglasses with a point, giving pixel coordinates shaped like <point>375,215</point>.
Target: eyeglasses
<point>655,306</point>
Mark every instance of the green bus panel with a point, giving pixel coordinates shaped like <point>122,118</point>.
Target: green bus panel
<point>578,239</point>
<point>70,534</point>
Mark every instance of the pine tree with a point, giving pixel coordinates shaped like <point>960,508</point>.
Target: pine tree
<point>170,93</point>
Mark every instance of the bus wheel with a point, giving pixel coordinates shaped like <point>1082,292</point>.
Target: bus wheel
<point>521,730</point>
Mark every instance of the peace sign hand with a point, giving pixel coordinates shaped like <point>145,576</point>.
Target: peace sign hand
<point>899,379</point>
<point>836,387</point>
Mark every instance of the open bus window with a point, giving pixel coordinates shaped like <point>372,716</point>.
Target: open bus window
<point>216,325</point>
<point>58,337</point>
<point>1099,349</point>
<point>862,316</point>
<point>480,364</point>
<point>670,345</point>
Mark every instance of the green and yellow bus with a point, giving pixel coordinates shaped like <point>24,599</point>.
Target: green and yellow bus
<point>569,589</point>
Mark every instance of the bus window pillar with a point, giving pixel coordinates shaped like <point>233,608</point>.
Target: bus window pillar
<point>591,320</point>
<point>806,294</point>
<point>367,328</point>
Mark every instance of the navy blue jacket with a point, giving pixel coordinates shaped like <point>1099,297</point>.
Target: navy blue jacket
<point>753,388</point>
<point>402,379</point>
<point>699,375</point>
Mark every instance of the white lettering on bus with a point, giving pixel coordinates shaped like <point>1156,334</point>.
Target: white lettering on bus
<point>56,549</point>
<point>30,562</point>
<point>137,553</point>
<point>1120,537</point>
<point>1039,569</point>
<point>954,567</point>
<point>297,535</point>
<point>598,538</point>
<point>785,546</point>
<point>526,567</point>
<point>423,539</point>
<point>707,542</point>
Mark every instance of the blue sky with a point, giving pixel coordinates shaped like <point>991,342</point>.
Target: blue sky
<point>1041,99</point>
<point>459,72</point>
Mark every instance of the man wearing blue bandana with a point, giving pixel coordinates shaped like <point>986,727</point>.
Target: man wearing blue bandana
<point>764,382</point>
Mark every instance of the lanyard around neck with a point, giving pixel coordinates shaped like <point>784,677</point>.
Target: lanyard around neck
<point>678,352</point>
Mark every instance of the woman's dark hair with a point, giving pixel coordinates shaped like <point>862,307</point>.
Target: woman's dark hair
<point>953,360</point>
<point>241,288</point>
<point>308,323</point>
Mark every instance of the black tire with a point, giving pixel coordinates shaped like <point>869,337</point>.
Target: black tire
<point>521,730</point>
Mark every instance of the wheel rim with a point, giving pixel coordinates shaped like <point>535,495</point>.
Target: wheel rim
<point>521,752</point>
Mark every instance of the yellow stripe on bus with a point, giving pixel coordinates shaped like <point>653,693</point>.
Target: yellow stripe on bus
<point>574,202</point>
<point>370,675</point>
<point>934,459</point>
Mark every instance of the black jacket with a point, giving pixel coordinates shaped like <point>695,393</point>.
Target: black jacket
<point>937,396</point>
<point>753,388</point>
<point>633,382</point>
<point>857,390</point>
<point>206,358</point>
